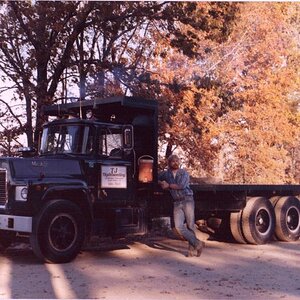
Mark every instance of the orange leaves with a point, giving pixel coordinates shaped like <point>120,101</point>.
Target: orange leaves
<point>258,140</point>
<point>236,112</point>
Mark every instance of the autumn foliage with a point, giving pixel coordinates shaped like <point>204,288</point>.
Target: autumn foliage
<point>232,115</point>
<point>225,75</point>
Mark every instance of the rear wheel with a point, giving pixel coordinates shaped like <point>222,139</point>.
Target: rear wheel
<point>236,227</point>
<point>287,212</point>
<point>258,221</point>
<point>59,232</point>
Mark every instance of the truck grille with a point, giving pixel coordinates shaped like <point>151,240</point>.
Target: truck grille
<point>3,187</point>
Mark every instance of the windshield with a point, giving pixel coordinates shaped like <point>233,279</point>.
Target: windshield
<point>73,139</point>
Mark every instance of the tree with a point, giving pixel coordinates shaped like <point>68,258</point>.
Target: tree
<point>214,68</point>
<point>230,113</point>
<point>9,136</point>
<point>36,43</point>
<point>46,46</point>
<point>262,76</point>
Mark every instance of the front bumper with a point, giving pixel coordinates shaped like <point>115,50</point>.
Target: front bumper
<point>16,223</point>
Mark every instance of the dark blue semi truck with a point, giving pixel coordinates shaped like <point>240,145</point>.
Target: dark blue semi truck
<point>95,173</point>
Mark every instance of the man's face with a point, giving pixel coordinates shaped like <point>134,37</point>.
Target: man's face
<point>174,163</point>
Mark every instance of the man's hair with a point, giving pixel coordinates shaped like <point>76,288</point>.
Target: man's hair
<point>172,156</point>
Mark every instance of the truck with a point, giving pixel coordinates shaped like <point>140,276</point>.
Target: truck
<point>95,174</point>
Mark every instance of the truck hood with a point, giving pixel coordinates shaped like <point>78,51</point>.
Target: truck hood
<point>43,167</point>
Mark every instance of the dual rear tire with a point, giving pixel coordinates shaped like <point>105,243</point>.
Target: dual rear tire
<point>287,211</point>
<point>261,219</point>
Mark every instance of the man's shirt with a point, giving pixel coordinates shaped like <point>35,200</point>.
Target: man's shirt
<point>182,179</point>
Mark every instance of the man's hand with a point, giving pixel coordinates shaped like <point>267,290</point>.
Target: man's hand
<point>164,185</point>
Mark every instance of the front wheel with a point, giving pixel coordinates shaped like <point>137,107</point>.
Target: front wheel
<point>287,212</point>
<point>59,232</point>
<point>258,221</point>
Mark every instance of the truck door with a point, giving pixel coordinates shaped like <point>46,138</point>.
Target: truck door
<point>115,174</point>
<point>116,208</point>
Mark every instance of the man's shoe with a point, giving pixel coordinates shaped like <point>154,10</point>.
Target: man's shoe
<point>199,247</point>
<point>190,251</point>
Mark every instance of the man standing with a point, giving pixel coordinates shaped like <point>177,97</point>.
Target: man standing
<point>176,180</point>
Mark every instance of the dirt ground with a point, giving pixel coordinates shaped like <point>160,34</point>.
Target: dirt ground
<point>156,268</point>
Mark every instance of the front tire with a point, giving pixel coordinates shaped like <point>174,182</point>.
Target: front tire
<point>258,221</point>
<point>59,232</point>
<point>287,212</point>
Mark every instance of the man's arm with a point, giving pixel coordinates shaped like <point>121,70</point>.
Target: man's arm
<point>162,180</point>
<point>182,181</point>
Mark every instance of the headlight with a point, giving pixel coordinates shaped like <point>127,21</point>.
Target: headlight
<point>21,193</point>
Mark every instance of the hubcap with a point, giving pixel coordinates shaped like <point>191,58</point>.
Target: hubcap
<point>292,219</point>
<point>62,232</point>
<point>263,221</point>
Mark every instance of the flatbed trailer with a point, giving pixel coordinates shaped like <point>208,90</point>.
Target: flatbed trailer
<point>255,212</point>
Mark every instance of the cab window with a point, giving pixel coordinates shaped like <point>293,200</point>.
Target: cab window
<point>110,143</point>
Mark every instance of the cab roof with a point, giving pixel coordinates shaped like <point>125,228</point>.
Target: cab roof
<point>122,109</point>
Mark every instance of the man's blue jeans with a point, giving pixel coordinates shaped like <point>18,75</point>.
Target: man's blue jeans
<point>184,210</point>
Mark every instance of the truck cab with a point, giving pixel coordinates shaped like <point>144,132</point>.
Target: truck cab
<point>93,175</point>
<point>104,151</point>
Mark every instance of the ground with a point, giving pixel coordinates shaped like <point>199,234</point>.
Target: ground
<point>156,267</point>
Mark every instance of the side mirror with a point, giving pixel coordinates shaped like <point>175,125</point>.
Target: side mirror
<point>128,137</point>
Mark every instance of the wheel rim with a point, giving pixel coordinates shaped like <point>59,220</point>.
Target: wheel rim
<point>263,221</point>
<point>62,232</point>
<point>292,219</point>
